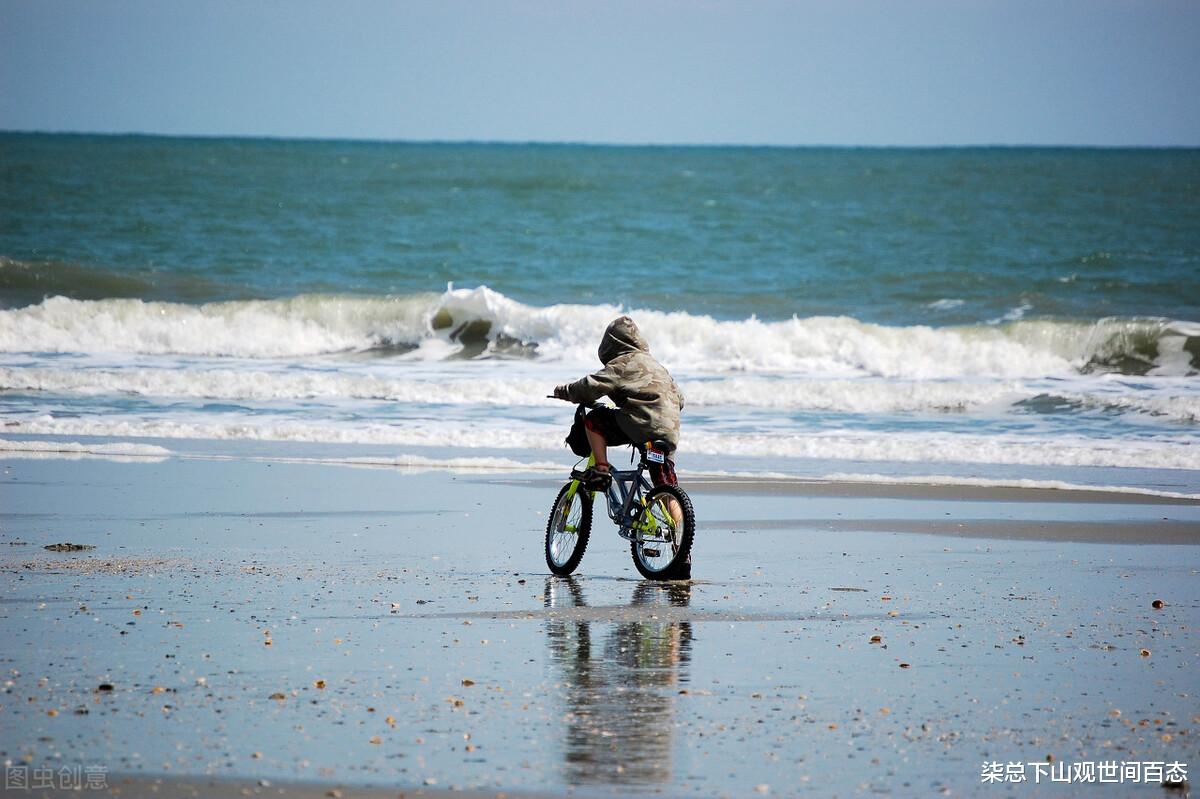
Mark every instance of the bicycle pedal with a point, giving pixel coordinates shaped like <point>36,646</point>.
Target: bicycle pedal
<point>592,480</point>
<point>650,552</point>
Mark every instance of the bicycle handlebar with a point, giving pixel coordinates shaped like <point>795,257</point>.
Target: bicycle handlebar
<point>564,399</point>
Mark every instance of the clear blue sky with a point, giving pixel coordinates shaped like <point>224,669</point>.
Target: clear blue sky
<point>848,72</point>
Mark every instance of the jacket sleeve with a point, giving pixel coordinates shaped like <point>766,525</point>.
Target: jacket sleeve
<point>591,388</point>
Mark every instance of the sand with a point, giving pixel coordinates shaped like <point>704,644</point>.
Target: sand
<point>323,629</point>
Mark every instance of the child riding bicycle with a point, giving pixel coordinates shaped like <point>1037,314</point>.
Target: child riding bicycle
<point>648,403</point>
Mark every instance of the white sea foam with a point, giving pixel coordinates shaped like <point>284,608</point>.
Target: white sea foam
<point>984,482</point>
<point>123,451</point>
<point>1013,314</point>
<point>305,325</point>
<point>461,465</point>
<point>868,446</point>
<point>864,395</point>
<point>944,480</point>
<point>260,385</point>
<point>316,324</point>
<point>953,448</point>
<point>235,428</point>
<point>288,371</point>
<point>506,465</point>
<point>1174,399</point>
<point>1179,407</point>
<point>132,452</point>
<point>413,463</point>
<point>525,386</point>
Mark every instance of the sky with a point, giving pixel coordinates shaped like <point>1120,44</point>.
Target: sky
<point>848,72</point>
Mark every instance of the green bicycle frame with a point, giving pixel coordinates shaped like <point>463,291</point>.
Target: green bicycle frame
<point>575,483</point>
<point>645,522</point>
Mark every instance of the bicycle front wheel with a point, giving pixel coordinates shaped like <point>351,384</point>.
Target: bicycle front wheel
<point>568,529</point>
<point>665,526</point>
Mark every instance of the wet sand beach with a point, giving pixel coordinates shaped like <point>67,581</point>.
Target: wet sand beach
<point>274,628</point>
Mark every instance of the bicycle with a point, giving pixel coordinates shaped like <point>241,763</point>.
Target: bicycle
<point>658,521</point>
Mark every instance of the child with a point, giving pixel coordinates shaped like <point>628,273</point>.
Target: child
<point>648,402</point>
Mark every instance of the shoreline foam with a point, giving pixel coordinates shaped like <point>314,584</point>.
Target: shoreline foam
<point>750,482</point>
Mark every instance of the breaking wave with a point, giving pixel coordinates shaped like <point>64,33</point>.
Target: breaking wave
<point>481,324</point>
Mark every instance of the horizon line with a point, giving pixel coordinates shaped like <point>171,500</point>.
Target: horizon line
<point>582,143</point>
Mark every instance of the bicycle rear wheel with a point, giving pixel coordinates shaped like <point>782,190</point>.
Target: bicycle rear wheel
<point>665,526</point>
<point>568,529</point>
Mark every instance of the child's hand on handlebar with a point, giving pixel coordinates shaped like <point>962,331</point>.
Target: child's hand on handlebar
<point>560,392</point>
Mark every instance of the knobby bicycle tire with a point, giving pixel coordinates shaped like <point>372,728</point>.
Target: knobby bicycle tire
<point>678,566</point>
<point>555,533</point>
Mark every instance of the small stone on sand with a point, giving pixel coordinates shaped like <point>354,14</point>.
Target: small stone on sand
<point>68,547</point>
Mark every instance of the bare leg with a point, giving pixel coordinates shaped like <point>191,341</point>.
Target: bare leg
<point>677,514</point>
<point>599,449</point>
<point>676,511</point>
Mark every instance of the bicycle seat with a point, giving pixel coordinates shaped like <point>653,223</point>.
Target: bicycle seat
<point>662,446</point>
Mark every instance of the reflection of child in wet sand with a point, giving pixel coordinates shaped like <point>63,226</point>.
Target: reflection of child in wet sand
<point>620,679</point>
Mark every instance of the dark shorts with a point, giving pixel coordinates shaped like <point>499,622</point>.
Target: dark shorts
<point>603,420</point>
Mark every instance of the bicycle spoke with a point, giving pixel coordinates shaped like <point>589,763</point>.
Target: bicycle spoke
<point>657,541</point>
<point>568,529</point>
<point>565,532</point>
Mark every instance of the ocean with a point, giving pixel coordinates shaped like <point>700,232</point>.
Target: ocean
<point>993,315</point>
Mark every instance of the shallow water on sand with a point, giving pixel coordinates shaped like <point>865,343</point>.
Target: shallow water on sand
<point>288,621</point>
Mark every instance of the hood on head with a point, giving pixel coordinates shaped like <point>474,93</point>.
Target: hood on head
<point>621,337</point>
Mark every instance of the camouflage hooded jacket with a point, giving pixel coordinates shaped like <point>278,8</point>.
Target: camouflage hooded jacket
<point>648,401</point>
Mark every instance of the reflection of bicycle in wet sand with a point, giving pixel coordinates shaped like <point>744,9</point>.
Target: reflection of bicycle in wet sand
<point>658,521</point>
<point>620,679</point>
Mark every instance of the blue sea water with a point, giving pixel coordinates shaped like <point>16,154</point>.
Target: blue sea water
<point>966,314</point>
